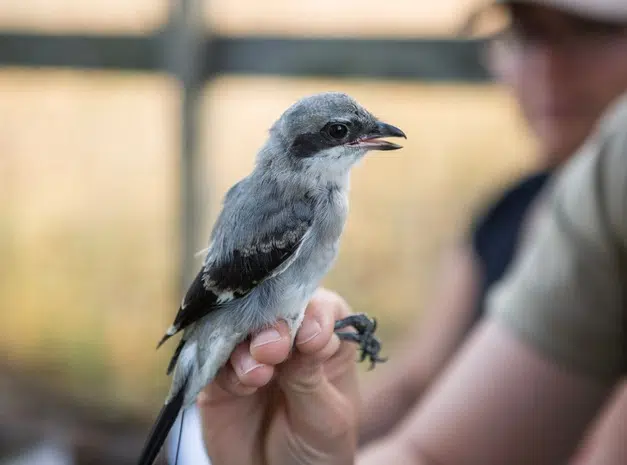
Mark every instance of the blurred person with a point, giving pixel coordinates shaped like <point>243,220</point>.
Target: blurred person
<point>564,67</point>
<point>521,390</point>
<point>564,63</point>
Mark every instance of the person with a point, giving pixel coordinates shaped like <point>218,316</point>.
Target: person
<point>572,44</point>
<point>563,65</point>
<point>522,388</point>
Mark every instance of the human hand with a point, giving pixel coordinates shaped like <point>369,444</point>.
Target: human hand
<point>265,408</point>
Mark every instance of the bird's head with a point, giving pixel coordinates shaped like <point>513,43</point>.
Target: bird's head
<point>329,132</point>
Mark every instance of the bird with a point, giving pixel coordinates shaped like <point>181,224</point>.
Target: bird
<point>276,236</point>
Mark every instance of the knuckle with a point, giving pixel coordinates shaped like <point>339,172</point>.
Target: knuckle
<point>329,351</point>
<point>339,303</point>
<point>327,297</point>
<point>306,379</point>
<point>342,307</point>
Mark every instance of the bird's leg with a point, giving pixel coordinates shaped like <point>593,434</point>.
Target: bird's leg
<point>368,343</point>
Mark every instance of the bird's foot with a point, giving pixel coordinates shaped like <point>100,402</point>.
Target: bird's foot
<point>368,343</point>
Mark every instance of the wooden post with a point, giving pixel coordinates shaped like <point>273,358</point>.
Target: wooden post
<point>184,46</point>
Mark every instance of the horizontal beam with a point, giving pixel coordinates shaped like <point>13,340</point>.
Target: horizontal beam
<point>423,59</point>
<point>79,51</point>
<point>415,59</point>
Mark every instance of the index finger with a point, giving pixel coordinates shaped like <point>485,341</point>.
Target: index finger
<point>325,308</point>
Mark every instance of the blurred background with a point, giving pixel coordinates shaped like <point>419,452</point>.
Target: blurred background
<point>122,124</point>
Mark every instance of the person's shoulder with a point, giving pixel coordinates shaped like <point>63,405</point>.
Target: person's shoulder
<point>609,137</point>
<point>614,120</point>
<point>592,187</point>
<point>566,291</point>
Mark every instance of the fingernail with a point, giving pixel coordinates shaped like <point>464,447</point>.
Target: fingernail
<point>248,364</point>
<point>266,337</point>
<point>309,330</point>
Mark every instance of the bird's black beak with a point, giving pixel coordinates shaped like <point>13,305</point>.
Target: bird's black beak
<point>374,139</point>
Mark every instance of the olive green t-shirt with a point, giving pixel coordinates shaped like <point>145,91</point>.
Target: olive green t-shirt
<point>566,291</point>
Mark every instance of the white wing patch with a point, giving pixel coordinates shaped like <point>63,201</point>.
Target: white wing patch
<point>285,265</point>
<point>225,297</point>
<point>229,294</point>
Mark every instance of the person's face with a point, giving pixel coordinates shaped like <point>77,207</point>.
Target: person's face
<point>563,70</point>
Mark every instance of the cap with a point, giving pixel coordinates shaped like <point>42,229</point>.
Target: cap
<point>600,10</point>
<point>611,11</point>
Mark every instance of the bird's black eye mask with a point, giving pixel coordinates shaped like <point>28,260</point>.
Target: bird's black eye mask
<point>333,133</point>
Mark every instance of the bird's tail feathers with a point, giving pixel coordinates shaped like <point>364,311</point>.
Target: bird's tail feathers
<point>161,428</point>
<point>175,357</point>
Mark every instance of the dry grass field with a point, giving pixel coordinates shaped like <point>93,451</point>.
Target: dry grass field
<point>88,176</point>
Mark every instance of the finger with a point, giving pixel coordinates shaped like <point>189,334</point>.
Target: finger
<point>317,329</point>
<point>340,367</point>
<point>246,369</point>
<point>316,407</point>
<point>225,385</point>
<point>226,397</point>
<point>316,343</point>
<point>272,345</point>
<point>250,365</point>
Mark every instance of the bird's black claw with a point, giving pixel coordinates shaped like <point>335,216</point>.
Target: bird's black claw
<point>368,343</point>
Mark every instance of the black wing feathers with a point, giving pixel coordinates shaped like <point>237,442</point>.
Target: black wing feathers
<point>239,272</point>
<point>248,266</point>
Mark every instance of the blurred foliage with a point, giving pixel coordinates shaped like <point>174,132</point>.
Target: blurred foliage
<point>88,215</point>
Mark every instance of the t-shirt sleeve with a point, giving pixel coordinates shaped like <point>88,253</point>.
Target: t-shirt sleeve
<point>565,293</point>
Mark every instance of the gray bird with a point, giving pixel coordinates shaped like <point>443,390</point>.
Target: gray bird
<point>276,237</point>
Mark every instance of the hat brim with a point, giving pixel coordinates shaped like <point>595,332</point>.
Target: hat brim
<point>608,11</point>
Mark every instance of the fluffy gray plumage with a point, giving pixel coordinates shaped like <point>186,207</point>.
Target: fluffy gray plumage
<point>276,237</point>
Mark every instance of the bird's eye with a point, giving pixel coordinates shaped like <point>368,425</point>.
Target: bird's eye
<point>337,130</point>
